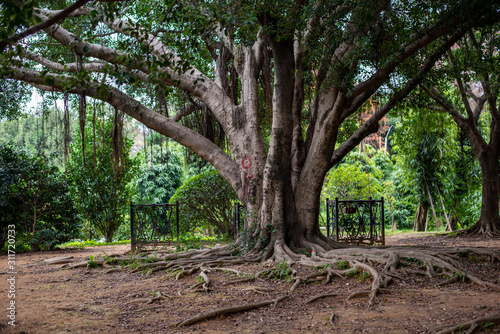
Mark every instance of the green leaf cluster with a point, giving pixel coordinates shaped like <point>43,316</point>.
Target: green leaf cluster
<point>34,197</point>
<point>102,187</point>
<point>206,203</point>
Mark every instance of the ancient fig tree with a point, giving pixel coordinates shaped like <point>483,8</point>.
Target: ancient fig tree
<point>282,78</point>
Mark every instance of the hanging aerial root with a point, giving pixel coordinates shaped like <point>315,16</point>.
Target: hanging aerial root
<point>229,310</point>
<point>471,326</point>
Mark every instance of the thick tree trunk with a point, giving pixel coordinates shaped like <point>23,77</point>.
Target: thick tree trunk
<point>489,221</point>
<point>454,220</point>
<point>420,217</point>
<point>109,235</point>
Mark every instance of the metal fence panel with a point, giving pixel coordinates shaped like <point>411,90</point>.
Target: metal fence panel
<point>356,222</point>
<point>153,224</point>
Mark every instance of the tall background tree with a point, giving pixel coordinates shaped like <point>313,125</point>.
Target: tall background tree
<point>279,65</point>
<point>101,176</point>
<point>426,154</point>
<point>469,91</point>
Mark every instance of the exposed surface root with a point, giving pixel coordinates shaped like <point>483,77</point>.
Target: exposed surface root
<point>332,319</point>
<point>112,270</point>
<point>382,265</point>
<point>156,298</point>
<point>229,310</point>
<point>471,326</point>
<point>258,289</point>
<point>321,296</point>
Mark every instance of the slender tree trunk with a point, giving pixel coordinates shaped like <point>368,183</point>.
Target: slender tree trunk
<point>448,225</point>
<point>66,130</point>
<point>426,220</point>
<point>93,134</point>
<point>109,235</point>
<point>438,227</point>
<point>393,225</point>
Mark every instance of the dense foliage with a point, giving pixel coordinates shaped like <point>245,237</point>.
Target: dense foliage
<point>35,198</point>
<point>157,182</point>
<point>101,180</point>
<point>206,202</point>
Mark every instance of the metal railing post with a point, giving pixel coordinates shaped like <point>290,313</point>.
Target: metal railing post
<point>327,219</point>
<point>383,220</point>
<point>337,218</point>
<point>370,212</point>
<point>132,244</point>
<point>177,221</point>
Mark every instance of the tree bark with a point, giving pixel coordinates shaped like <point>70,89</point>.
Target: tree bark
<point>420,217</point>
<point>489,221</point>
<point>448,225</point>
<point>279,185</point>
<point>438,227</point>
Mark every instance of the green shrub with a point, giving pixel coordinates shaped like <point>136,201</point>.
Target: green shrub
<point>206,203</point>
<point>34,197</point>
<point>157,183</point>
<point>101,186</point>
<point>348,182</point>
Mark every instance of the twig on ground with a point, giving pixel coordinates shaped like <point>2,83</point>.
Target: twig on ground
<point>228,310</point>
<point>470,325</point>
<point>321,296</point>
<point>332,319</point>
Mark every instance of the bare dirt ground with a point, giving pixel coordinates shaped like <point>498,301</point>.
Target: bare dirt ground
<point>51,300</point>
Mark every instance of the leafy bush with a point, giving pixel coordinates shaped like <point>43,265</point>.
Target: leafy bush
<point>101,184</point>
<point>206,202</point>
<point>347,182</point>
<point>89,243</point>
<point>35,198</point>
<point>157,183</point>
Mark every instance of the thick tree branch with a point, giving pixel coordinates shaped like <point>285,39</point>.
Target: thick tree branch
<point>61,15</point>
<point>70,67</point>
<point>96,67</point>
<point>485,82</point>
<point>186,111</point>
<point>364,90</point>
<point>447,106</point>
<point>466,124</point>
<point>461,86</point>
<point>371,125</point>
<point>191,79</point>
<point>153,120</point>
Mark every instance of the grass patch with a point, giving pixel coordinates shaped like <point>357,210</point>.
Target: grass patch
<point>89,243</point>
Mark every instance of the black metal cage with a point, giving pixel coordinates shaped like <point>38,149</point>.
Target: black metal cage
<point>356,222</point>
<point>151,224</point>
